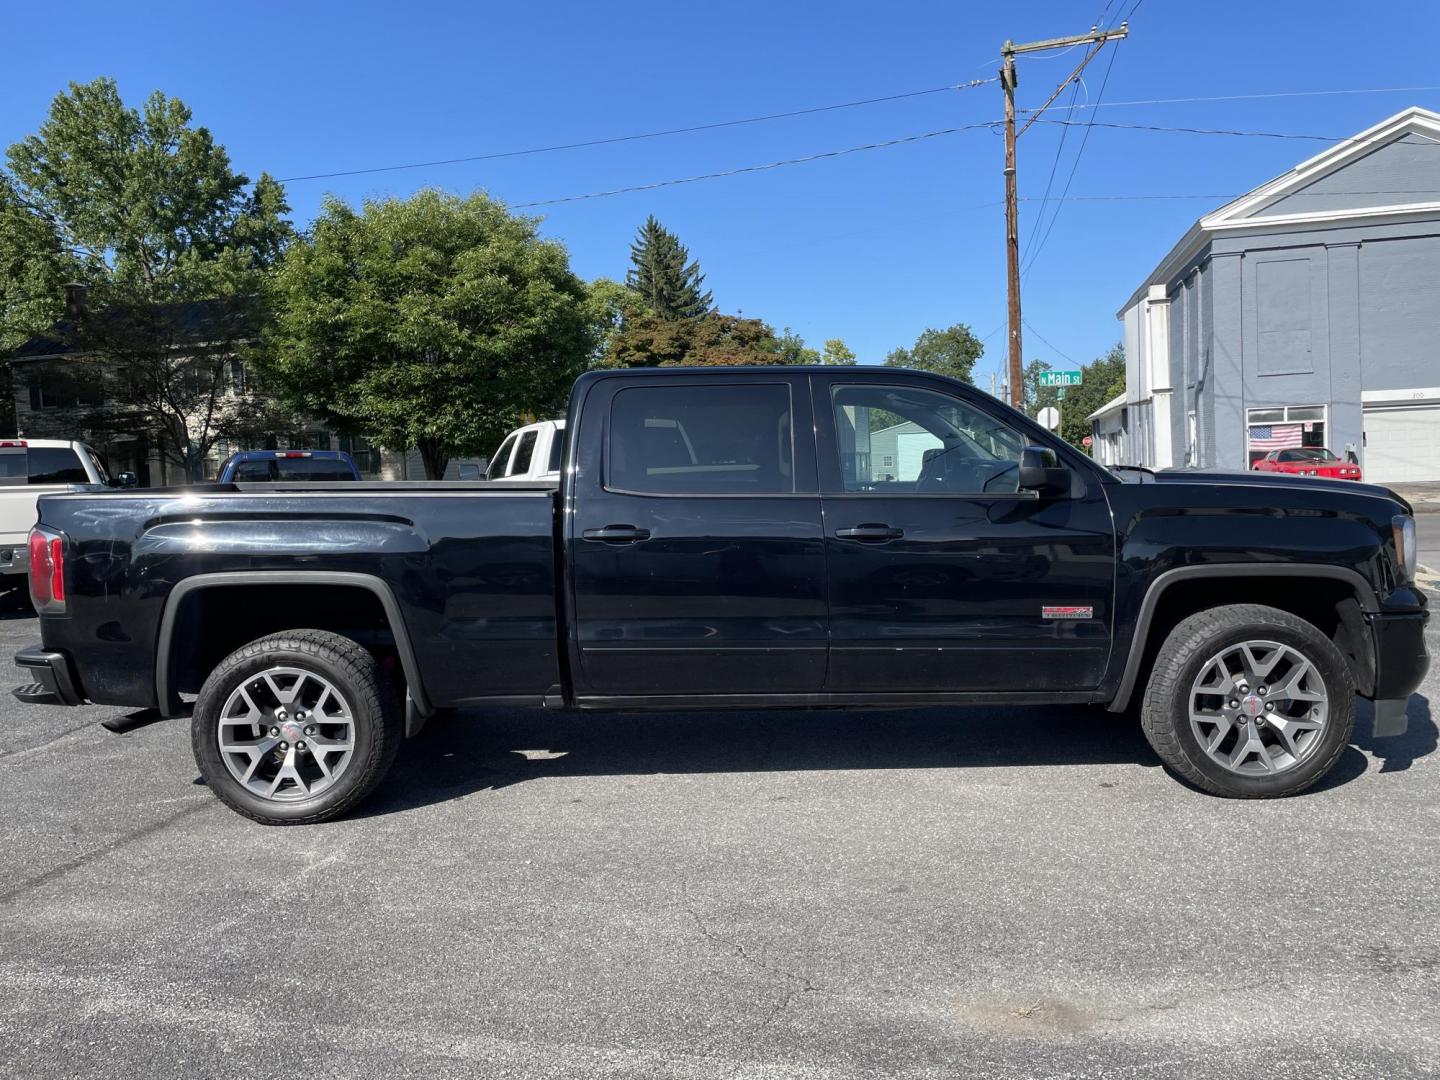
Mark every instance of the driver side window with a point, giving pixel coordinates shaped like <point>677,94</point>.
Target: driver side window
<point>903,440</point>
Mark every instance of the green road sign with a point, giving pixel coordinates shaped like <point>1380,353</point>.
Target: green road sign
<point>1060,394</point>
<point>1060,378</point>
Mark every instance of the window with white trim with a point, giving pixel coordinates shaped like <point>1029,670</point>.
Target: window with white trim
<point>1286,427</point>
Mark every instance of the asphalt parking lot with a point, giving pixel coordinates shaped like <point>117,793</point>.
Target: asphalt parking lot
<point>946,893</point>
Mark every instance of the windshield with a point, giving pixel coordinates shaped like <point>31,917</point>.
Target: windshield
<point>1314,453</point>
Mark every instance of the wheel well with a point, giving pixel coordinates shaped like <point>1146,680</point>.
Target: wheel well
<point>1328,604</point>
<point>211,623</point>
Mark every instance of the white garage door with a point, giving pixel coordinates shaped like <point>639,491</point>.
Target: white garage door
<point>1402,444</point>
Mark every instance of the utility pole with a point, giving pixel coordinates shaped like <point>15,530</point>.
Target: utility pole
<point>1096,39</point>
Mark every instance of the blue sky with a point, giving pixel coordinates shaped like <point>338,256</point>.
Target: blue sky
<point>871,247</point>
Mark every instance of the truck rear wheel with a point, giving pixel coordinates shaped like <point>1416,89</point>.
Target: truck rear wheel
<point>296,727</point>
<point>1249,702</point>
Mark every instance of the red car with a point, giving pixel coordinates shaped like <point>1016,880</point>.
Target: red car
<point>1308,461</point>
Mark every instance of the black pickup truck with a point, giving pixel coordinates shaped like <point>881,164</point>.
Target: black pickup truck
<point>738,538</point>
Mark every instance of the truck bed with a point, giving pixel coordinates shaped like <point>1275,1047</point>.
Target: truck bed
<point>468,566</point>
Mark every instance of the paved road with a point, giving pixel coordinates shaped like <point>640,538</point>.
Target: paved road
<point>1001,893</point>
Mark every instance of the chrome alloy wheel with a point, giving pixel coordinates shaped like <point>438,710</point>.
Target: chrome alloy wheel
<point>286,734</point>
<point>1259,708</point>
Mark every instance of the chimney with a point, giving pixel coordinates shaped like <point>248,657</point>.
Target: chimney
<point>76,299</point>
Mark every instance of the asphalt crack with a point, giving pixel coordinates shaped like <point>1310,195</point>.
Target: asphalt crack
<point>26,751</point>
<point>119,842</point>
<point>799,983</point>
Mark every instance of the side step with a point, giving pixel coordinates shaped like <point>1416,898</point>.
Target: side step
<point>37,694</point>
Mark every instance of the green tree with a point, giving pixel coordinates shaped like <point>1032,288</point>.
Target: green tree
<point>836,352</point>
<point>435,321</point>
<point>952,351</point>
<point>145,208</point>
<point>610,304</point>
<point>793,349</point>
<point>1034,396</point>
<point>1104,379</point>
<point>647,340</point>
<point>663,275</point>
<point>33,269</point>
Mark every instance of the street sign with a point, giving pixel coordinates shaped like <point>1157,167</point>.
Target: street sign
<point>1048,418</point>
<point>1060,378</point>
<point>1060,394</point>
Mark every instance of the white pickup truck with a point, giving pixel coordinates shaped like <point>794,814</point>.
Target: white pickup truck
<point>529,453</point>
<point>30,468</point>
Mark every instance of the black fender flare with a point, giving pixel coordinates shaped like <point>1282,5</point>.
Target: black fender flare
<point>1364,595</point>
<point>168,699</point>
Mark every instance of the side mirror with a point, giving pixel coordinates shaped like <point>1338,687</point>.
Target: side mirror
<point>1041,472</point>
<point>127,480</point>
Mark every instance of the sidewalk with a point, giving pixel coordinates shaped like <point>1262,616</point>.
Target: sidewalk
<point>1424,496</point>
<point>1427,536</point>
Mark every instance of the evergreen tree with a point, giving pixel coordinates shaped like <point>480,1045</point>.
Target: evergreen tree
<point>661,271</point>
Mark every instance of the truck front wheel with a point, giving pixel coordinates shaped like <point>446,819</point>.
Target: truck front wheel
<point>1249,702</point>
<point>296,727</point>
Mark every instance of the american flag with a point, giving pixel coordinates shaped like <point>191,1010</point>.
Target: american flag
<point>1275,437</point>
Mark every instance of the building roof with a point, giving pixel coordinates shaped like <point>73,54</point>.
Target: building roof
<point>1247,213</point>
<point>1117,402</point>
<point>189,321</point>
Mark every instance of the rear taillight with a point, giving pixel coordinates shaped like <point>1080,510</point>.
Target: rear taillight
<point>47,571</point>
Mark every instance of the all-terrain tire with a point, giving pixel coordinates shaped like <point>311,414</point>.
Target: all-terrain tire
<point>1165,711</point>
<point>377,731</point>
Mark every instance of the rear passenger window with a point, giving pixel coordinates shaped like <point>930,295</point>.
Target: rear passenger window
<point>57,465</point>
<point>704,439</point>
<point>523,453</point>
<point>255,472</point>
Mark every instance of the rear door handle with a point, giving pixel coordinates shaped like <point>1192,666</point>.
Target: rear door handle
<point>870,533</point>
<point>617,534</point>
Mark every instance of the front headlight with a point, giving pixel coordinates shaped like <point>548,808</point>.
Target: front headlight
<point>1406,556</point>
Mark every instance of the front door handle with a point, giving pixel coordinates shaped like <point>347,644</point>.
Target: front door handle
<point>870,533</point>
<point>617,534</point>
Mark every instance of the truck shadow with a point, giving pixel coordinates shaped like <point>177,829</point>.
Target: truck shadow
<point>474,750</point>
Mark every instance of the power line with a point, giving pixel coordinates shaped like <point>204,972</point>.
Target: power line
<point>1233,195</point>
<point>1260,96</point>
<point>1199,131</point>
<point>1074,165</point>
<point>1029,326</point>
<point>1055,164</point>
<point>754,168</point>
<point>634,138</point>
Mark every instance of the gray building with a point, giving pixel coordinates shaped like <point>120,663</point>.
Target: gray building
<point>1306,312</point>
